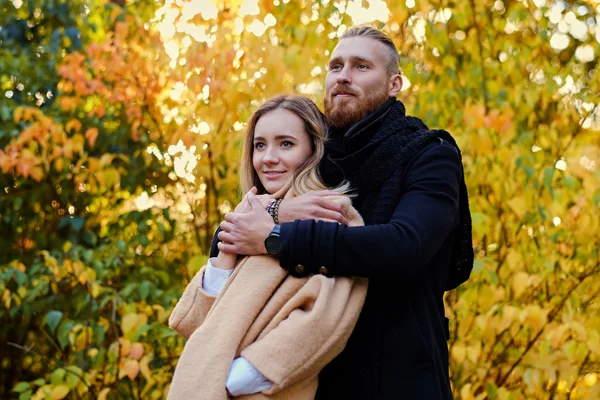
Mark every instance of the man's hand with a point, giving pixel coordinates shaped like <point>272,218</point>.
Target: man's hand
<point>312,205</point>
<point>245,233</point>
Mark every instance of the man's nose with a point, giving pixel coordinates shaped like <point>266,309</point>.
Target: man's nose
<point>343,77</point>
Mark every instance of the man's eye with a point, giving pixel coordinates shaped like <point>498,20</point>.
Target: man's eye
<point>287,143</point>
<point>335,67</point>
<point>362,66</point>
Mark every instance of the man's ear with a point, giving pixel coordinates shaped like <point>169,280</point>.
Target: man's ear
<point>395,85</point>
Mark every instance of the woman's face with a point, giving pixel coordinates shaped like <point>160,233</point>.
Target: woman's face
<point>281,145</point>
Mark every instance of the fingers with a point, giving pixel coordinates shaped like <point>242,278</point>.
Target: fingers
<point>225,237</point>
<point>332,216</point>
<point>253,200</point>
<point>324,193</point>
<point>226,226</point>
<point>265,199</point>
<point>227,248</point>
<point>231,217</point>
<point>329,204</point>
<point>254,190</point>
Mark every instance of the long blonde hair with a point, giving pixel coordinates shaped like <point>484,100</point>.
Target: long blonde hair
<point>306,178</point>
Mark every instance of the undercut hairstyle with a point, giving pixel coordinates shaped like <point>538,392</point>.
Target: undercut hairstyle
<point>376,34</point>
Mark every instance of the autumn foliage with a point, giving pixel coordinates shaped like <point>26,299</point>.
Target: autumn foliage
<point>120,131</point>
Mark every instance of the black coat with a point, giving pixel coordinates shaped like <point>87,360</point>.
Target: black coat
<point>398,349</point>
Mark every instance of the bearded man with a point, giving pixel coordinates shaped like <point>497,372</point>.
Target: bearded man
<point>416,244</point>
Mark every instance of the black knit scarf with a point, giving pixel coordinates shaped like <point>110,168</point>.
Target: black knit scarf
<point>374,156</point>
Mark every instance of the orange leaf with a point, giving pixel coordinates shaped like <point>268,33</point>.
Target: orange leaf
<point>60,392</point>
<point>18,114</point>
<point>137,351</point>
<point>91,134</point>
<point>37,174</point>
<point>74,124</point>
<point>132,368</point>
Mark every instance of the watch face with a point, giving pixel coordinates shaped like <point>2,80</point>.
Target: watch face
<point>272,245</point>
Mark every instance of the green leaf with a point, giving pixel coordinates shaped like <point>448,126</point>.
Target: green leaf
<point>21,387</point>
<point>478,266</point>
<point>90,238</point>
<point>72,378</point>
<point>53,318</point>
<point>77,223</point>
<point>145,289</point>
<point>58,376</point>
<point>548,175</point>
<point>63,333</point>
<point>26,395</point>
<point>492,390</point>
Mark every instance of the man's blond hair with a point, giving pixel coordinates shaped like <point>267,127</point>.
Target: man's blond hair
<point>368,32</point>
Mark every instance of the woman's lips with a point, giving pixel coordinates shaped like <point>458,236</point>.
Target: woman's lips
<point>273,175</point>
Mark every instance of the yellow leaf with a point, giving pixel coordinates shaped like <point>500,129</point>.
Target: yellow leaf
<point>474,351</point>
<point>591,379</point>
<point>508,316</point>
<point>518,205</point>
<point>465,392</point>
<point>18,114</point>
<point>60,392</point>
<point>459,352</point>
<point>129,322</point>
<point>59,164</point>
<point>95,290</point>
<point>534,316</point>
<point>103,394</point>
<point>520,282</point>
<point>145,368</point>
<point>593,342</point>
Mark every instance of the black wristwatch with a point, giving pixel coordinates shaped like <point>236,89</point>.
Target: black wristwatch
<point>272,241</point>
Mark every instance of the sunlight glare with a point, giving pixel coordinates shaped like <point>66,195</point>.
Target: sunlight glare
<point>377,11</point>
<point>249,7</point>
<point>257,28</point>
<point>584,53</point>
<point>143,202</point>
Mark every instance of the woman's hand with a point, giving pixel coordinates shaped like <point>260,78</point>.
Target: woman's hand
<point>244,206</point>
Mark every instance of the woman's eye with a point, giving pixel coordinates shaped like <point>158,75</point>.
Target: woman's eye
<point>287,143</point>
<point>259,145</point>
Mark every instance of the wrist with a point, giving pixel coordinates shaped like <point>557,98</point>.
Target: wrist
<point>272,241</point>
<point>273,210</point>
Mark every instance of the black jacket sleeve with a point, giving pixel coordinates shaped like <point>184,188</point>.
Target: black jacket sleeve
<point>214,250</point>
<point>425,216</point>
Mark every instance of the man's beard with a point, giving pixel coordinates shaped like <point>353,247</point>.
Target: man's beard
<point>346,112</point>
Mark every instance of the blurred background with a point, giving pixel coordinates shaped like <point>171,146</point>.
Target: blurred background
<point>120,134</point>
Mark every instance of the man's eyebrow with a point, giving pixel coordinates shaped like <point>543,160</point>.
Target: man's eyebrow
<point>352,58</point>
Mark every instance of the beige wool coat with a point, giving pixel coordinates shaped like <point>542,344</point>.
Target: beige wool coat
<point>288,328</point>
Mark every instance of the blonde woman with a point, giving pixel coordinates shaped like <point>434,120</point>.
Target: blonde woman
<point>253,331</point>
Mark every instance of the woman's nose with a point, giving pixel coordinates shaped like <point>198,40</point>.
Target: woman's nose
<point>270,157</point>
